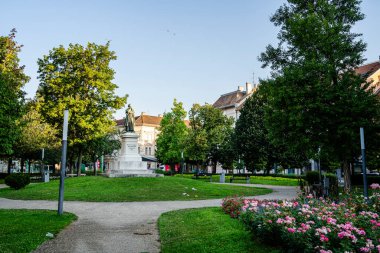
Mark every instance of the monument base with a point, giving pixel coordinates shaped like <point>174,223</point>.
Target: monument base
<point>129,163</point>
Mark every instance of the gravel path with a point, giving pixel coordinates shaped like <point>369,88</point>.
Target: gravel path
<point>121,226</point>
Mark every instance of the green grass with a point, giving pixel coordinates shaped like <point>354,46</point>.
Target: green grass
<point>102,189</point>
<point>205,230</point>
<point>25,230</point>
<point>2,181</point>
<point>267,180</point>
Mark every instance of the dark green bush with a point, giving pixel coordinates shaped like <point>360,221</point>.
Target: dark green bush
<point>17,181</point>
<point>312,177</point>
<point>358,179</point>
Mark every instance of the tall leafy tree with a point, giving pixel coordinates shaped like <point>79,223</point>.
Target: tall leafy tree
<point>252,139</point>
<point>315,98</point>
<point>35,135</point>
<point>209,128</point>
<point>173,133</point>
<point>12,80</point>
<point>80,79</point>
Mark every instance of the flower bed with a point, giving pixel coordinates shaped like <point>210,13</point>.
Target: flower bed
<point>313,225</point>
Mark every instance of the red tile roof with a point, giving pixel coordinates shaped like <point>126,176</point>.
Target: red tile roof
<point>148,120</point>
<point>368,69</point>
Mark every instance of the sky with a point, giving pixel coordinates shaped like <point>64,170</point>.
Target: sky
<point>193,51</point>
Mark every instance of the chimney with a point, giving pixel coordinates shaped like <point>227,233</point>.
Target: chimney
<point>248,87</point>
<point>240,88</point>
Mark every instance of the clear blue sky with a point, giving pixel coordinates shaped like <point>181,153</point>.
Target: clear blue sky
<point>190,50</point>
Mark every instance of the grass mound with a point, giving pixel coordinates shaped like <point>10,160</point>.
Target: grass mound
<point>205,230</point>
<point>102,189</point>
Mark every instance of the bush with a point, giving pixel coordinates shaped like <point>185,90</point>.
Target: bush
<point>314,225</point>
<point>312,177</point>
<point>17,181</point>
<point>232,206</point>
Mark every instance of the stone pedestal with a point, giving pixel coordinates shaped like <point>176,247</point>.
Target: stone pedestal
<point>129,163</point>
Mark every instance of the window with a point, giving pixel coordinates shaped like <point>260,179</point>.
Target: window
<point>150,150</point>
<point>146,150</point>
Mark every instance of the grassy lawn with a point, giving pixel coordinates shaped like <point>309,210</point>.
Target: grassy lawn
<point>267,180</point>
<point>205,230</point>
<point>2,181</point>
<point>25,230</point>
<point>101,189</point>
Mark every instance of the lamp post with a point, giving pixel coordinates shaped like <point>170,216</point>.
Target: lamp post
<point>63,161</point>
<point>182,162</point>
<point>364,169</point>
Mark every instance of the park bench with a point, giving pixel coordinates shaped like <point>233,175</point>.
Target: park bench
<point>240,178</point>
<point>203,176</point>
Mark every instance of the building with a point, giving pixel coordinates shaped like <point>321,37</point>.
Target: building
<point>231,103</point>
<point>371,72</point>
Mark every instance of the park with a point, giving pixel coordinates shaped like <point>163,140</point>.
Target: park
<point>288,162</point>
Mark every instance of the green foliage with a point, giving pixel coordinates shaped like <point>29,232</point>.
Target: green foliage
<point>79,78</point>
<point>316,98</point>
<point>312,177</point>
<point>173,133</point>
<point>209,130</point>
<point>36,134</point>
<point>12,80</point>
<point>193,227</point>
<point>22,231</point>
<point>17,181</point>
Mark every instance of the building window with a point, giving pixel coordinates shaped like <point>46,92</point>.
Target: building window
<point>139,150</point>
<point>146,150</point>
<point>150,150</point>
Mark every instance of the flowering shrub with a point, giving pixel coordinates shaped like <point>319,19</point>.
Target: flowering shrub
<point>232,206</point>
<point>315,225</point>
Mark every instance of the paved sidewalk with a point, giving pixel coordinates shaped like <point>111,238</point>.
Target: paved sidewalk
<point>121,226</point>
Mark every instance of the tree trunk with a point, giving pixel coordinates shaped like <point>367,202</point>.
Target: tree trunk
<point>9,165</point>
<point>95,167</point>
<point>214,167</point>
<point>347,176</point>
<point>22,165</point>
<point>79,163</point>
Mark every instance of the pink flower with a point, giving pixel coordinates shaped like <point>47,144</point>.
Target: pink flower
<point>375,186</point>
<point>291,230</point>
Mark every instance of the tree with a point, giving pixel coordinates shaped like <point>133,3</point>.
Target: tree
<point>252,139</point>
<point>103,145</point>
<point>208,130</point>
<point>35,135</point>
<point>12,80</point>
<point>315,98</point>
<point>172,136</point>
<point>79,79</point>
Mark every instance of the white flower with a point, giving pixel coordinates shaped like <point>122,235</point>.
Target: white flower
<point>193,189</point>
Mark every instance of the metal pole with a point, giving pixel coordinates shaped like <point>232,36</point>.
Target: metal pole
<point>63,161</point>
<point>363,163</point>
<point>182,162</point>
<point>319,165</point>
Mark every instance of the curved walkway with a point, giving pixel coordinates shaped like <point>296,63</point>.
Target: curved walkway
<point>120,226</point>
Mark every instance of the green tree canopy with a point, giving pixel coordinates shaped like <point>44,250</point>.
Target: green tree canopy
<point>172,136</point>
<point>316,100</point>
<point>209,128</point>
<point>79,78</point>
<point>35,135</point>
<point>12,80</point>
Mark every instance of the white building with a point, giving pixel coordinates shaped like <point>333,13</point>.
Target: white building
<point>231,103</point>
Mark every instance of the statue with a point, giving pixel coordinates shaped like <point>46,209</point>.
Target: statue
<point>129,119</point>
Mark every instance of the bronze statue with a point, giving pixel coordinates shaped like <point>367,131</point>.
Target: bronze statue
<point>129,119</point>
